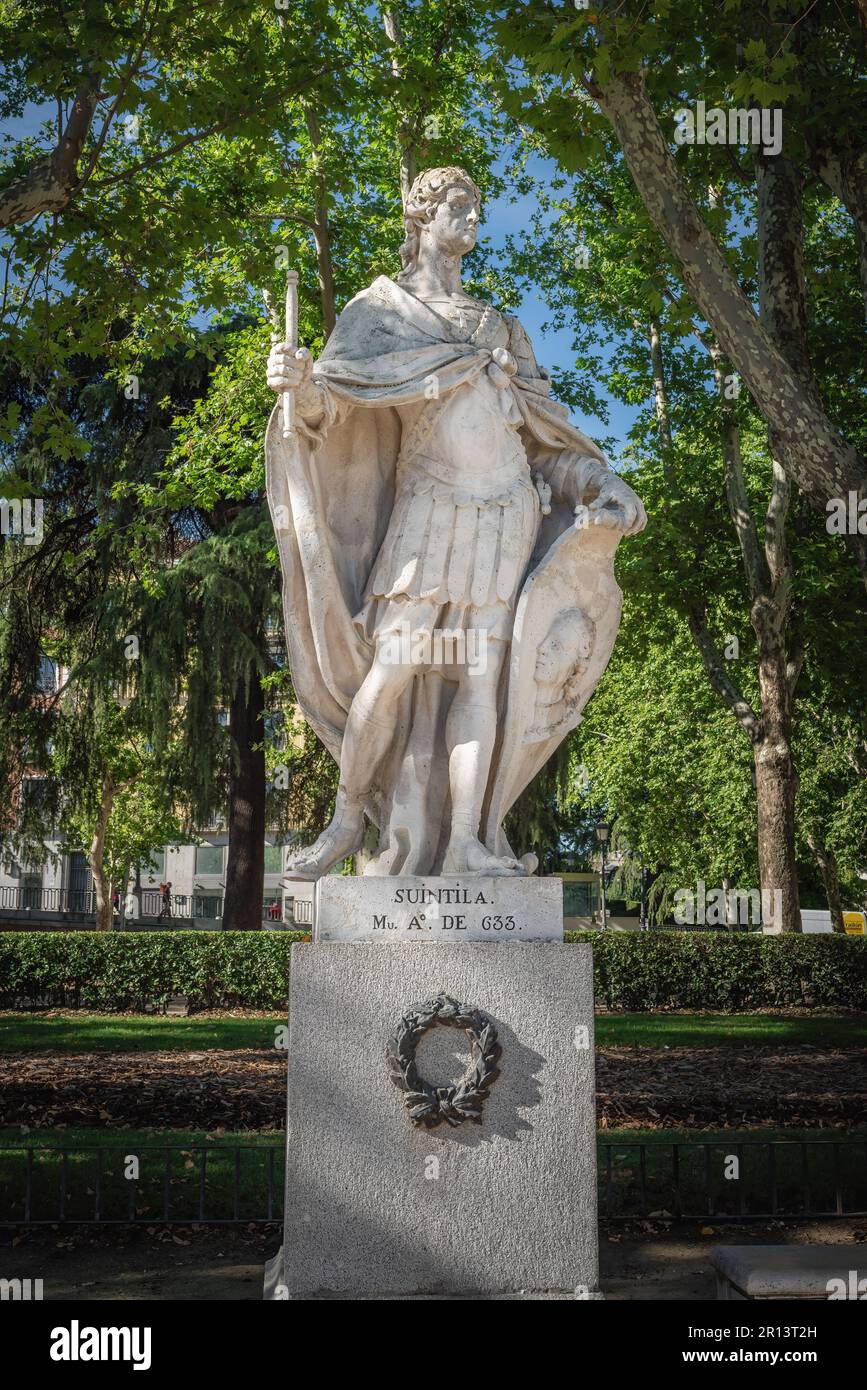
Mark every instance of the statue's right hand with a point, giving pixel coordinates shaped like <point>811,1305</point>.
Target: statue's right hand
<point>288,368</point>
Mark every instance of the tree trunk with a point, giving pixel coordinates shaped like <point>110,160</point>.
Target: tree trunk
<point>321,228</point>
<point>775,804</point>
<point>819,459</point>
<point>780,231</point>
<point>660,394</point>
<point>124,889</point>
<point>245,867</point>
<point>776,779</point>
<point>846,176</point>
<point>827,862</point>
<point>96,857</point>
<point>405,139</point>
<point>783,315</point>
<point>137,893</point>
<point>767,573</point>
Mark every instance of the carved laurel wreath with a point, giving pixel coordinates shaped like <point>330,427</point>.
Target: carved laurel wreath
<point>428,1105</point>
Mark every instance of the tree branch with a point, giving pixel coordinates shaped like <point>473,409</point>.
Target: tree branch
<point>50,183</point>
<point>755,563</point>
<point>718,675</point>
<point>822,462</point>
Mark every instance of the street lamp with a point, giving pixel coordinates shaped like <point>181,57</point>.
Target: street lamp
<point>643,924</point>
<point>603,830</point>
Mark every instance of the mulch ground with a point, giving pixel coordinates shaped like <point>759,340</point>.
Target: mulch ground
<point>732,1087</point>
<point>234,1090</point>
<point>639,1087</point>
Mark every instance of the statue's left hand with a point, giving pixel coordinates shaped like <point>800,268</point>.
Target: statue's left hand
<point>615,506</point>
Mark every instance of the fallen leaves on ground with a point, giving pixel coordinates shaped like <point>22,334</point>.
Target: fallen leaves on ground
<point>678,1087</point>
<point>231,1090</point>
<point>701,1087</point>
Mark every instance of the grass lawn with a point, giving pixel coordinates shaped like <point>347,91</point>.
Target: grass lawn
<point>79,1032</point>
<point>179,1165</point>
<point>721,1030</point>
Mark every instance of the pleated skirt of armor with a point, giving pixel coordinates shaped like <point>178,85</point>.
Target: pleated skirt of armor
<point>451,559</point>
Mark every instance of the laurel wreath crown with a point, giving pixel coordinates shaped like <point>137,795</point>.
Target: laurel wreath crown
<point>429,1106</point>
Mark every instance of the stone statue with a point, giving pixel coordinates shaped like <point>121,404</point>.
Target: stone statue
<point>446,537</point>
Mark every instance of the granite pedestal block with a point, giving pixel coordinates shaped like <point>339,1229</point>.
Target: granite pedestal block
<point>376,1207</point>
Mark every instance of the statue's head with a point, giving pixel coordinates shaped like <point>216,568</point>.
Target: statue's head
<point>442,204</point>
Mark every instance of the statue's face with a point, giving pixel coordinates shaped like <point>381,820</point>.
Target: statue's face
<point>455,223</point>
<point>557,657</point>
<point>553,662</point>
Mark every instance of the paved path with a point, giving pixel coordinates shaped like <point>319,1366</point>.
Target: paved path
<point>228,1265</point>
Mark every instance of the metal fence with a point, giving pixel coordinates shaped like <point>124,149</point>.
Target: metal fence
<point>122,1184</point>
<point>197,905</point>
<point>731,1180</point>
<point>74,909</point>
<point>82,902</point>
<point>242,1184</point>
<point>76,900</point>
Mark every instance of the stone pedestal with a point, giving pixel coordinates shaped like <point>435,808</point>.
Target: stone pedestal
<point>378,1207</point>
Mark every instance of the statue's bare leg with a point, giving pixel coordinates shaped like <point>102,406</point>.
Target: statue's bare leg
<point>471,732</point>
<point>366,739</point>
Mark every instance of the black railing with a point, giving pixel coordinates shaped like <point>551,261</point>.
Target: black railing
<point>242,1184</point>
<point>75,900</point>
<point>702,926</point>
<point>121,1184</point>
<point>207,906</point>
<point>731,1180</point>
<point>82,902</point>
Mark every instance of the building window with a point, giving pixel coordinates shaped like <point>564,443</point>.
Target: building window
<point>35,794</point>
<point>31,890</point>
<point>46,681</point>
<point>578,898</point>
<point>157,858</point>
<point>273,859</point>
<point>209,859</point>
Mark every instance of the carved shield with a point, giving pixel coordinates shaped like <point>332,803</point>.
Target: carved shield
<point>577,572</point>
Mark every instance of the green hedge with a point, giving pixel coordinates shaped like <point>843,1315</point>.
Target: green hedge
<point>633,971</point>
<point>129,970</point>
<point>726,973</point>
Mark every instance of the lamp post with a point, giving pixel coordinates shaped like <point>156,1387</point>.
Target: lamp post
<point>643,924</point>
<point>602,832</point>
<point>643,901</point>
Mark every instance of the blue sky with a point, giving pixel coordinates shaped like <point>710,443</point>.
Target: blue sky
<point>502,217</point>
